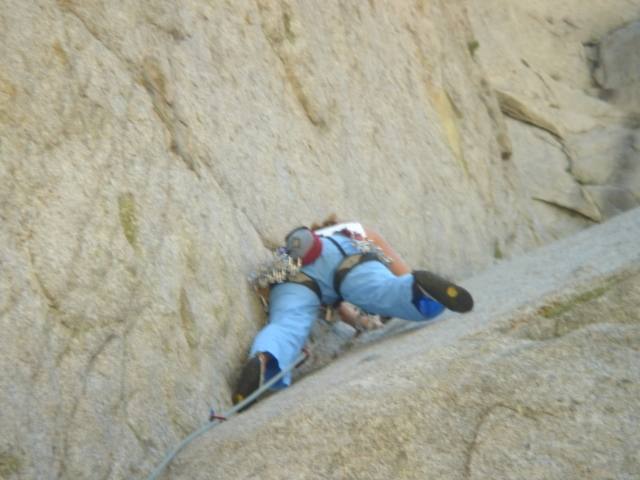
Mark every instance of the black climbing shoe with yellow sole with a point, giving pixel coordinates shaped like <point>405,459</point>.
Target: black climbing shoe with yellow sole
<point>251,378</point>
<point>452,296</point>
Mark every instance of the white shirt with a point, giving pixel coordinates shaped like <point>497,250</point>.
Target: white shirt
<point>351,226</point>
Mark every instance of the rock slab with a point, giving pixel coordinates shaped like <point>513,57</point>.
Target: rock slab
<point>540,381</point>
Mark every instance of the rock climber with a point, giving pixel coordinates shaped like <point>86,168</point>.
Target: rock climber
<point>343,262</point>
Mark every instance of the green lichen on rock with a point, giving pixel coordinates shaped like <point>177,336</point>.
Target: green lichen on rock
<point>128,219</point>
<point>9,464</point>
<point>559,307</point>
<point>473,45</point>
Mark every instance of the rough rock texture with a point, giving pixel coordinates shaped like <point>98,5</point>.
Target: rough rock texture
<point>540,381</point>
<point>541,158</point>
<point>618,66</point>
<point>152,152</point>
<point>540,57</point>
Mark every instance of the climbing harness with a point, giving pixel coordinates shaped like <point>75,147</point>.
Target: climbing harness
<point>368,251</point>
<point>348,264</point>
<point>283,268</point>
<point>219,418</point>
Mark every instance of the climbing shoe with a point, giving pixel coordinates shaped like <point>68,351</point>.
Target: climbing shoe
<point>452,296</point>
<point>251,378</point>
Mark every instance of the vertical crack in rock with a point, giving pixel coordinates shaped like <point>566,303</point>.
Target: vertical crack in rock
<point>150,76</point>
<point>448,113</point>
<point>473,443</point>
<point>449,117</point>
<point>128,218</point>
<point>67,6</point>
<point>155,83</point>
<point>69,430</point>
<point>52,302</point>
<point>268,244</point>
<point>492,105</point>
<point>278,30</point>
<point>189,327</point>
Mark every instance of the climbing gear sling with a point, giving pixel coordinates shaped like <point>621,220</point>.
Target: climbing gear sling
<point>281,268</point>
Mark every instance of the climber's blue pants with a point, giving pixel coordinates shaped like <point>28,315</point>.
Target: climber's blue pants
<point>293,309</point>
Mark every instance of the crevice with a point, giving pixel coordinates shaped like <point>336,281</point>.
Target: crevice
<point>275,41</point>
<point>163,109</point>
<point>566,209</point>
<point>552,99</point>
<point>472,445</point>
<point>268,244</point>
<point>515,109</point>
<point>592,54</point>
<point>52,302</point>
<point>189,327</point>
<point>94,357</point>
<point>76,402</point>
<point>154,82</point>
<point>65,6</point>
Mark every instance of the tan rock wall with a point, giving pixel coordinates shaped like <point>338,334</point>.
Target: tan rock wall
<point>151,153</point>
<point>548,63</point>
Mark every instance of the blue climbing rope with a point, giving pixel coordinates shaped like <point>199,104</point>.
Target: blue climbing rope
<point>236,408</point>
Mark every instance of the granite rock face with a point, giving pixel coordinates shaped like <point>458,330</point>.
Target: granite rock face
<point>618,66</point>
<point>570,71</point>
<point>151,153</point>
